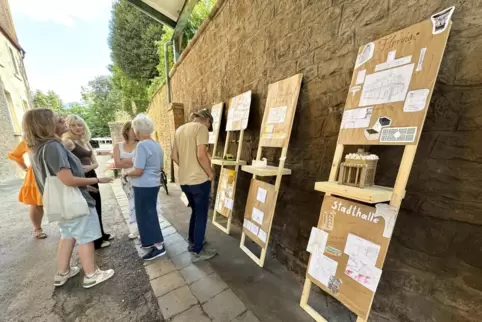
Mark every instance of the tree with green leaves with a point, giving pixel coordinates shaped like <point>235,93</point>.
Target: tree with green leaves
<point>103,101</point>
<point>49,100</point>
<point>132,41</point>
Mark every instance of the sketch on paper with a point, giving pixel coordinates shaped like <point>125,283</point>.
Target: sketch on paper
<point>362,249</point>
<point>261,195</point>
<point>374,132</point>
<point>216,114</point>
<point>228,203</point>
<point>421,59</point>
<point>328,220</point>
<point>262,235</point>
<point>360,77</point>
<point>356,118</point>
<point>257,216</point>
<point>334,284</point>
<point>238,112</point>
<point>317,241</point>
<point>398,134</point>
<point>440,21</point>
<point>416,100</point>
<point>251,227</point>
<point>322,267</point>
<point>386,86</point>
<point>365,55</point>
<point>393,63</point>
<point>389,215</point>
<point>277,115</point>
<point>366,275</point>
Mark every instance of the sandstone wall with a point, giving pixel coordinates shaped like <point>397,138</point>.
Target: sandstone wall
<point>167,118</point>
<point>434,266</point>
<point>7,140</point>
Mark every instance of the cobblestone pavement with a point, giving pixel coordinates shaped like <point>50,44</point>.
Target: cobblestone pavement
<point>27,268</point>
<point>187,292</point>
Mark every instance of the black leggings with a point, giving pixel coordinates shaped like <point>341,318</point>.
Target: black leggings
<point>98,207</point>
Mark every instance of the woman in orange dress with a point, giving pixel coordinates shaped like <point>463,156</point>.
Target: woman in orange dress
<point>29,193</point>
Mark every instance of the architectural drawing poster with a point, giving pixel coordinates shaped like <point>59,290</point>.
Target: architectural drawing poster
<point>348,248</point>
<point>394,78</point>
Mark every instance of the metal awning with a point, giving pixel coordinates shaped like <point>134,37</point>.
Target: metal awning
<point>173,13</point>
<point>167,12</point>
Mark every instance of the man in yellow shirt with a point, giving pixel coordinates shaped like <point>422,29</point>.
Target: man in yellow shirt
<point>190,153</point>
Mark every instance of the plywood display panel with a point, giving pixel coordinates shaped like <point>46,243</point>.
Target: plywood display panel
<point>341,218</point>
<point>392,85</point>
<point>217,114</point>
<point>238,112</point>
<point>280,111</point>
<point>225,195</point>
<point>259,211</point>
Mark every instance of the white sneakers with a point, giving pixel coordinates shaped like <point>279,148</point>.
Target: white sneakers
<point>98,277</point>
<point>60,279</point>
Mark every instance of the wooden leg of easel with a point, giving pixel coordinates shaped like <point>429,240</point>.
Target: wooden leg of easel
<point>304,302</point>
<point>223,229</point>
<point>263,255</point>
<point>359,319</point>
<point>248,252</point>
<point>228,227</point>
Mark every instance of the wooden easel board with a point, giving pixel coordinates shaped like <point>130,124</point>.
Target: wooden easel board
<point>280,111</point>
<point>392,85</point>
<point>217,114</point>
<point>238,112</point>
<point>225,195</point>
<point>259,211</point>
<point>349,265</point>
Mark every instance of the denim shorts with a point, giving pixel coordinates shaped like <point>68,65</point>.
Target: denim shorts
<point>84,229</point>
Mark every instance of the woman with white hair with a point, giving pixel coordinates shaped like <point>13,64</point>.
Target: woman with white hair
<point>146,181</point>
<point>76,140</point>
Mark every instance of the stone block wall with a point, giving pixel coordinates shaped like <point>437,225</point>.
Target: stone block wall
<point>434,265</point>
<point>7,140</point>
<point>167,118</point>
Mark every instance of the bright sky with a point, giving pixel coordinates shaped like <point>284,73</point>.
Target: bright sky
<point>65,41</point>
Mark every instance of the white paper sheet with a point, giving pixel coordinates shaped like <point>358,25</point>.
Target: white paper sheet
<point>391,55</point>
<point>362,249</point>
<point>365,55</point>
<point>317,242</point>
<point>253,228</point>
<point>238,113</point>
<point>387,86</point>
<point>366,275</point>
<point>257,216</point>
<point>416,100</point>
<point>211,138</point>
<point>360,77</point>
<point>261,195</point>
<point>421,59</point>
<point>277,115</point>
<point>398,134</point>
<point>389,215</point>
<point>357,118</point>
<point>228,203</point>
<point>269,128</point>
<point>322,267</point>
<point>393,63</point>
<point>262,235</point>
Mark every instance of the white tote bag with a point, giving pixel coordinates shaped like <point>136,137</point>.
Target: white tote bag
<point>62,202</point>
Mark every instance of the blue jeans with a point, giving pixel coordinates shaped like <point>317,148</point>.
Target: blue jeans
<point>145,200</point>
<point>198,197</point>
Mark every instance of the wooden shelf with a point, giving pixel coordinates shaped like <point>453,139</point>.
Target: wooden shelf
<point>268,171</point>
<point>227,162</point>
<point>373,194</point>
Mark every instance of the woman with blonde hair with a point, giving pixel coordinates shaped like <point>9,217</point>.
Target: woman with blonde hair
<point>76,140</point>
<point>29,193</point>
<point>49,155</point>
